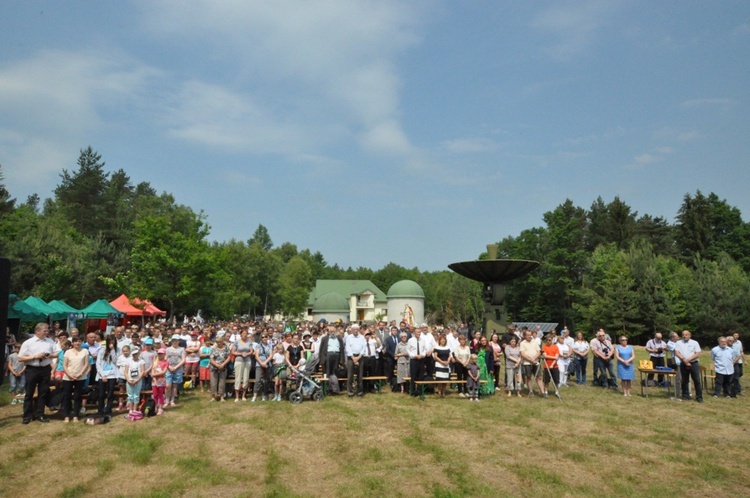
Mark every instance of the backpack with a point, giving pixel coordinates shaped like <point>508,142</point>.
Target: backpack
<point>149,408</point>
<point>92,395</point>
<point>333,385</point>
<point>135,415</point>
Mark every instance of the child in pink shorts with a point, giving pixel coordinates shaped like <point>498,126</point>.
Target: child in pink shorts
<point>159,381</point>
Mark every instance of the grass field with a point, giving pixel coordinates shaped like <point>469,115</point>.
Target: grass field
<point>593,443</point>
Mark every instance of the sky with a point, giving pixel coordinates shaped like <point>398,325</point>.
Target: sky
<point>382,131</point>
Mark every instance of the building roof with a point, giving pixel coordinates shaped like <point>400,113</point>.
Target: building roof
<point>331,302</point>
<point>345,288</point>
<point>405,288</point>
<point>544,326</point>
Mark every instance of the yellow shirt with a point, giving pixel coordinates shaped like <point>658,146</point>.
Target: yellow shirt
<point>76,361</point>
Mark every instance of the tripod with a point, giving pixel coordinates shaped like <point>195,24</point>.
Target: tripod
<point>541,360</point>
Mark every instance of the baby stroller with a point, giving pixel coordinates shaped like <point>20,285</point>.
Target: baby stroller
<point>306,386</point>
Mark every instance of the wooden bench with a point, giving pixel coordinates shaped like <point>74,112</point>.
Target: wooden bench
<point>422,384</point>
<point>709,374</point>
<point>378,381</point>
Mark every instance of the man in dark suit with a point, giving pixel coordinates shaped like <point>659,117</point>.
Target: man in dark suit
<point>389,350</point>
<point>331,351</point>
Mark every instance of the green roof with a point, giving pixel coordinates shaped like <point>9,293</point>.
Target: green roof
<point>405,288</point>
<point>331,302</point>
<point>345,288</point>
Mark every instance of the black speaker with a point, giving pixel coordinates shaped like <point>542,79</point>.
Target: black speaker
<point>4,290</point>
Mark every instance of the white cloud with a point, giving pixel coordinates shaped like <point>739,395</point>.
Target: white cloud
<point>213,115</point>
<point>617,132</point>
<point>671,134</point>
<point>642,160</point>
<point>51,102</point>
<point>573,26</point>
<point>470,145</point>
<point>240,179</point>
<point>710,102</point>
<point>301,67</point>
<point>645,159</point>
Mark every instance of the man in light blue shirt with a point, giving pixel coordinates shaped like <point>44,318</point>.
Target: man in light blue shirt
<point>723,358</point>
<point>688,352</point>
<point>354,347</point>
<point>733,342</point>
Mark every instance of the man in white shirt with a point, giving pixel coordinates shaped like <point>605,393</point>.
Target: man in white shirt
<point>736,345</point>
<point>430,342</point>
<point>657,350</point>
<point>567,339</point>
<point>723,357</point>
<point>452,339</point>
<point>122,340</point>
<point>416,348</point>
<point>530,354</point>
<point>354,348</point>
<point>603,351</point>
<point>38,354</point>
<point>235,335</point>
<point>688,351</point>
<point>370,358</point>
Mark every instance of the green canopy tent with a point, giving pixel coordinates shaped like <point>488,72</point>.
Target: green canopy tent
<point>45,308</point>
<point>62,307</point>
<point>99,310</point>
<point>100,315</point>
<point>22,311</point>
<point>72,315</point>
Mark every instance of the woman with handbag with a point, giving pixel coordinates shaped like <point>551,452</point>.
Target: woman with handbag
<point>219,359</point>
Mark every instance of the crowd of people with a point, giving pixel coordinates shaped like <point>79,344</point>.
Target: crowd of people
<point>255,360</point>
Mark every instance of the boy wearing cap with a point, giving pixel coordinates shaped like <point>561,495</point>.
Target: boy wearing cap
<point>147,355</point>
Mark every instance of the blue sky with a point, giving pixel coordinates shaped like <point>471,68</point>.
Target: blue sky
<point>412,132</point>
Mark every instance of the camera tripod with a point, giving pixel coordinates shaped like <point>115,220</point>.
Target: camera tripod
<point>552,379</point>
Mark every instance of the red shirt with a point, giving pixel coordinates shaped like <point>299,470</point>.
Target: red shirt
<point>551,350</point>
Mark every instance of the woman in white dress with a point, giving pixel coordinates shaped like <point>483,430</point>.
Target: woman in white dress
<point>442,356</point>
<point>564,361</point>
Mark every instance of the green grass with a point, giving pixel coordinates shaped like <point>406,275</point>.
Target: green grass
<point>135,445</point>
<point>593,443</point>
<point>74,491</point>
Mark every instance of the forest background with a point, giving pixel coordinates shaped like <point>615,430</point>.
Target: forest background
<point>100,235</point>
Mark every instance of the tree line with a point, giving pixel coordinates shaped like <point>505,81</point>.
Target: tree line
<point>100,235</point>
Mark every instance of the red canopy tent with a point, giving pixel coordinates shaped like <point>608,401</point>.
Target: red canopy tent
<point>148,307</point>
<point>122,304</point>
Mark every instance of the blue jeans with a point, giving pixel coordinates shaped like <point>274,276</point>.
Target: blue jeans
<point>174,377</point>
<point>17,384</point>
<point>580,368</point>
<point>605,367</point>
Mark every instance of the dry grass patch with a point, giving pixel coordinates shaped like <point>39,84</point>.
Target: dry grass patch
<point>593,443</point>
